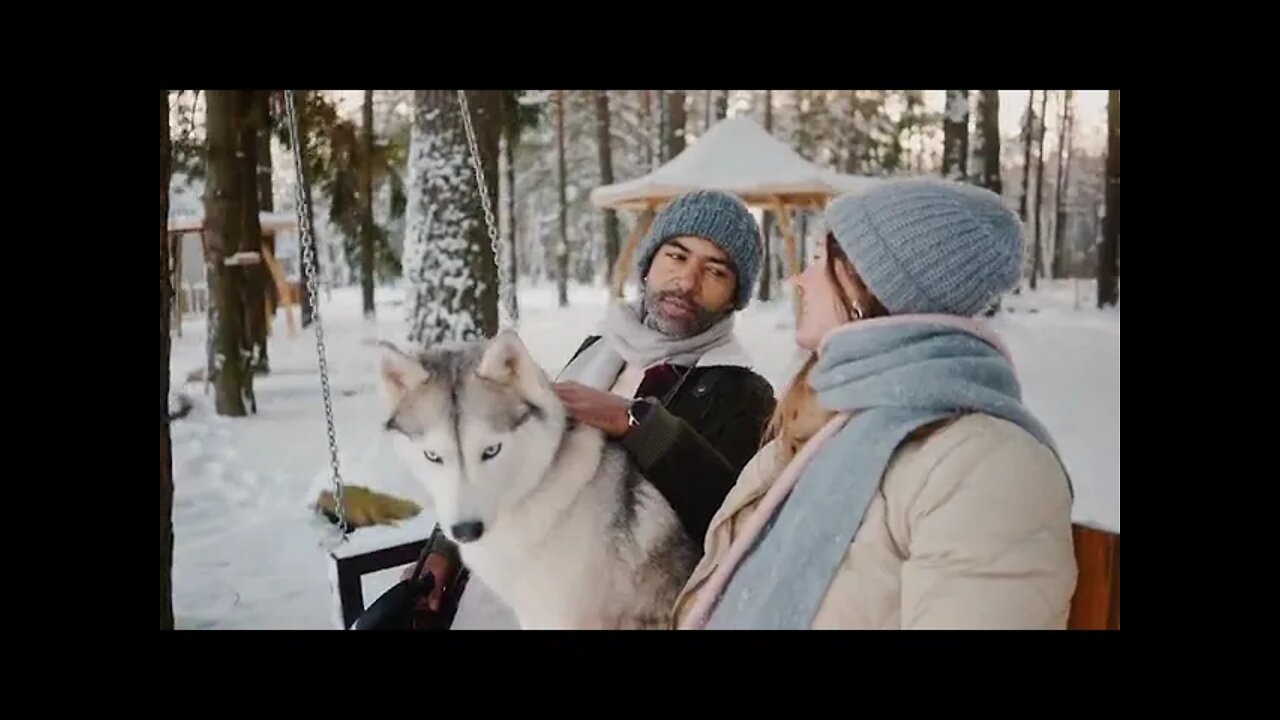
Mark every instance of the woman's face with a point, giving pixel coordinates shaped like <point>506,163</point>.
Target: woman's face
<point>821,306</point>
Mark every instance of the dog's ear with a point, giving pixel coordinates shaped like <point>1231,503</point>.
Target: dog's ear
<point>506,361</point>
<point>401,373</point>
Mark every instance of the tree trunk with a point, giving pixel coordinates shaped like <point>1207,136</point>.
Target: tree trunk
<point>266,191</point>
<point>166,444</point>
<point>512,128</point>
<point>366,206</point>
<point>675,123</point>
<point>646,112</point>
<point>722,105</point>
<point>448,260</point>
<point>664,150</point>
<point>766,229</point>
<point>304,297</point>
<point>255,276</point>
<point>1038,250</point>
<point>1109,252</point>
<point>562,248</point>
<point>987,174</point>
<point>708,101</point>
<point>955,135</point>
<point>1028,133</point>
<point>604,142</point>
<point>1064,176</point>
<point>987,153</point>
<point>224,231</point>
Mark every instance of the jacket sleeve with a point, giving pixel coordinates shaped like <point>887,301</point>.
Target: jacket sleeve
<point>693,471</point>
<point>990,540</point>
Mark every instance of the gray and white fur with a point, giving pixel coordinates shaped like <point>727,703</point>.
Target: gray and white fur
<point>546,512</point>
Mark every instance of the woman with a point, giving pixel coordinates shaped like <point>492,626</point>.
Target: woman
<point>902,483</point>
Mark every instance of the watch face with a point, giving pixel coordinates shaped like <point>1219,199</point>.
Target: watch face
<point>639,408</point>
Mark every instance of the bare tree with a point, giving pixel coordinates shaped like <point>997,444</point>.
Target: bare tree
<point>562,249</point>
<point>1038,250</point>
<point>766,273</point>
<point>675,123</point>
<point>955,135</point>
<point>986,172</point>
<point>604,143</point>
<point>1109,253</point>
<point>1059,265</point>
<point>1028,133</point>
<point>722,104</point>
<point>166,444</point>
<point>366,205</point>
<point>224,235</point>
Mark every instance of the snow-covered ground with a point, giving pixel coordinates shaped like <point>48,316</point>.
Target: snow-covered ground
<point>251,554</point>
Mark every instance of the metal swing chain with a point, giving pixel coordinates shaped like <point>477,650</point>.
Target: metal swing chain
<point>309,267</point>
<point>504,289</point>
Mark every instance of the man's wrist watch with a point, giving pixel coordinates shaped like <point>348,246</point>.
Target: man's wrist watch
<point>639,410</point>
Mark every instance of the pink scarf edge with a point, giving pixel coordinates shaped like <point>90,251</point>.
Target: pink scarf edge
<point>773,498</point>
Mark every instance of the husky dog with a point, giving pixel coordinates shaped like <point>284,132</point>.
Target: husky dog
<point>546,512</point>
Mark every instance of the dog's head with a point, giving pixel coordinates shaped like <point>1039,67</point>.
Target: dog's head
<point>478,423</point>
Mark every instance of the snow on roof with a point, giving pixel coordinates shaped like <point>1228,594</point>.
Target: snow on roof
<point>735,155</point>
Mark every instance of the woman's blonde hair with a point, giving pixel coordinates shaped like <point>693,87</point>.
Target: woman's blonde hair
<point>799,400</point>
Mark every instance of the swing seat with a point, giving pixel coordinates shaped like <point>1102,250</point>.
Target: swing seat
<point>364,507</point>
<point>1096,603</point>
<point>375,550</point>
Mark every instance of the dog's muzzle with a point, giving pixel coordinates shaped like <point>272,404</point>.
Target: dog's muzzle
<point>467,531</point>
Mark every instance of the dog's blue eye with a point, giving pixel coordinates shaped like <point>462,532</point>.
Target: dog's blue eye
<point>490,451</point>
<point>433,457</point>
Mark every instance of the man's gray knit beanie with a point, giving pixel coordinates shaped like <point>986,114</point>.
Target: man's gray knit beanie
<point>928,245</point>
<point>715,216</point>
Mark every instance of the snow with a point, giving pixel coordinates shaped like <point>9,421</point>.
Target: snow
<point>250,553</point>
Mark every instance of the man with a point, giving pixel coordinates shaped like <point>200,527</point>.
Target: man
<point>666,378</point>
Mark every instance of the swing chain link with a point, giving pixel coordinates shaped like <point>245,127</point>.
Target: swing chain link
<point>504,289</point>
<point>307,240</point>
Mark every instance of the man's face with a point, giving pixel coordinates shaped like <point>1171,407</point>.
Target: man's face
<point>690,286</point>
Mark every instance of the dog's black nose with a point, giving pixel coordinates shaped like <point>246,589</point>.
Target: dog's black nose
<point>468,531</point>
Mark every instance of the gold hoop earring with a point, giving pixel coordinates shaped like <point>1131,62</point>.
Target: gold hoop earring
<point>858,314</point>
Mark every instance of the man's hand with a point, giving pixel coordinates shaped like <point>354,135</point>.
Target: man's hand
<point>439,567</point>
<point>596,408</point>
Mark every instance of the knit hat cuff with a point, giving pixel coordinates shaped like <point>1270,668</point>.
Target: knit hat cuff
<point>874,261</point>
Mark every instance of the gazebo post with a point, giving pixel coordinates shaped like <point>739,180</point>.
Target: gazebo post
<point>789,243</point>
<point>620,272</point>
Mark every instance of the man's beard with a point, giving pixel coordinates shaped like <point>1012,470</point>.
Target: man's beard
<point>699,320</point>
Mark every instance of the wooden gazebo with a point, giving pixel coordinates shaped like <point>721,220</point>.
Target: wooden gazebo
<point>271,223</point>
<point>738,156</point>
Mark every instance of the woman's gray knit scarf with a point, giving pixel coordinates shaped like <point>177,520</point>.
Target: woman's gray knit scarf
<point>896,376</point>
